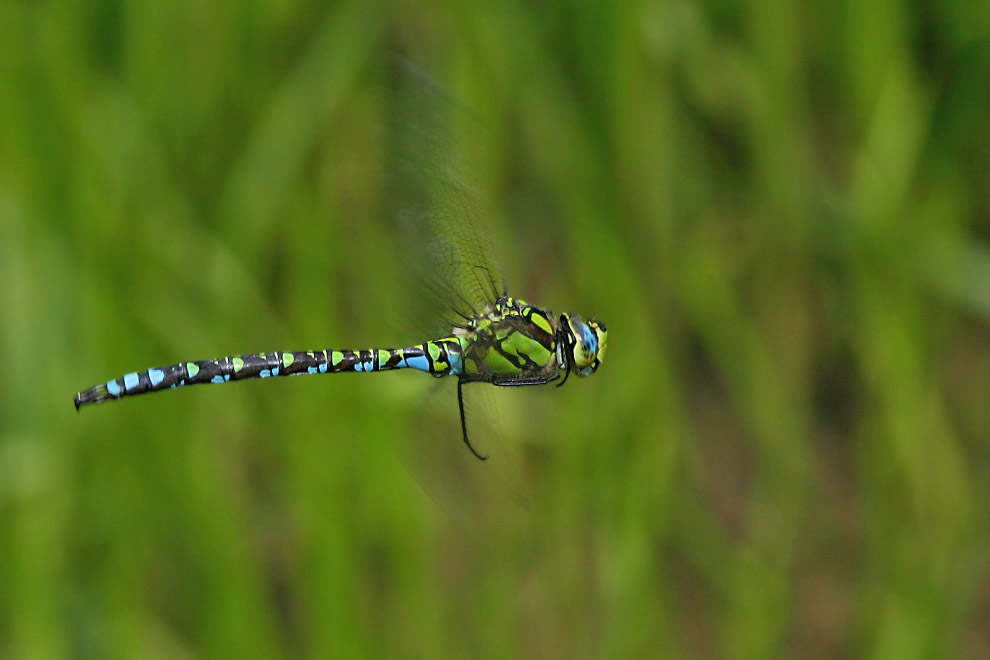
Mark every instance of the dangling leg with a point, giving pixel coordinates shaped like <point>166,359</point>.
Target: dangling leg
<point>460,405</point>
<point>513,382</point>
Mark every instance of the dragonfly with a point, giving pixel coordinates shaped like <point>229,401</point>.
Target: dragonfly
<point>493,338</point>
<point>508,344</point>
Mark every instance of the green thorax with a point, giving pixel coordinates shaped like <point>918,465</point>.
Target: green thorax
<point>509,339</point>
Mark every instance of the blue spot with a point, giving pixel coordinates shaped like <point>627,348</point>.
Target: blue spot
<point>456,365</point>
<point>418,362</point>
<point>311,370</point>
<point>113,388</point>
<point>589,338</point>
<point>265,373</point>
<point>275,371</point>
<point>323,368</point>
<point>131,381</point>
<point>369,365</point>
<point>358,366</point>
<point>217,379</point>
<point>156,376</point>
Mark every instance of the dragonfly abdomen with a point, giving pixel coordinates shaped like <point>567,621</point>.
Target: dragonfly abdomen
<point>439,357</point>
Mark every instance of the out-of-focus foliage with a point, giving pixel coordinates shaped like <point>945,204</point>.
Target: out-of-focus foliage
<point>779,208</point>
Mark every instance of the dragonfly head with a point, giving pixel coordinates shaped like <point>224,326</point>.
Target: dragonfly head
<point>582,344</point>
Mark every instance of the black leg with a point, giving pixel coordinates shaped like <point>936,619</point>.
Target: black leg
<point>460,405</point>
<point>517,382</point>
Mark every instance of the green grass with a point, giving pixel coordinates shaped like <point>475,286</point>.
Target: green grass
<point>779,208</point>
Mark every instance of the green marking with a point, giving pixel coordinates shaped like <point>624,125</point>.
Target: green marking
<point>541,322</point>
<point>238,364</point>
<point>434,350</point>
<point>383,357</point>
<point>497,364</point>
<point>520,344</point>
<point>336,357</point>
<point>509,347</point>
<point>192,368</point>
<point>288,359</point>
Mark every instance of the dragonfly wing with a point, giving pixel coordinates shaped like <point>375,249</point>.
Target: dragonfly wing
<point>445,241</point>
<point>467,490</point>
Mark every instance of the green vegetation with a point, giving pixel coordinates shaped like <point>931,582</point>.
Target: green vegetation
<point>780,209</point>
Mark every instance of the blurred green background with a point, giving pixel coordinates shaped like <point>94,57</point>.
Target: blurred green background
<point>779,208</point>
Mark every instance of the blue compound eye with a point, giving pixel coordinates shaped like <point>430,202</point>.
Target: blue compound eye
<point>589,344</point>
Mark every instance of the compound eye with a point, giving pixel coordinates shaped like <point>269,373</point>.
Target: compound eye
<point>586,346</point>
<point>585,343</point>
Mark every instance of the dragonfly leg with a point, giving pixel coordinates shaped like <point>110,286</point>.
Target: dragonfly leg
<point>533,380</point>
<point>460,406</point>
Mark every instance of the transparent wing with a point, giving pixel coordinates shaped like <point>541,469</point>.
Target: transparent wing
<point>467,490</point>
<point>449,260</point>
<point>445,243</point>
